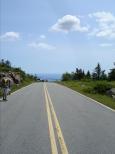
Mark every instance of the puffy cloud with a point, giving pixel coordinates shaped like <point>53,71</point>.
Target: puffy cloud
<point>103,17</point>
<point>10,36</point>
<point>41,45</point>
<point>106,33</point>
<point>69,23</point>
<point>106,24</point>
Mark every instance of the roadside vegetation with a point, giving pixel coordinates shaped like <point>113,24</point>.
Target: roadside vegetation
<point>97,85</point>
<point>19,77</point>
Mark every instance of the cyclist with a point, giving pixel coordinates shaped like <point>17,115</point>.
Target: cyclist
<point>5,86</point>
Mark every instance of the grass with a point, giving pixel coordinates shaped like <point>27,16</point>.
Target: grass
<point>85,87</point>
<point>16,87</point>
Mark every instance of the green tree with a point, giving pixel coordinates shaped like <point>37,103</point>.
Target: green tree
<point>111,75</point>
<point>103,75</point>
<point>66,76</point>
<point>98,71</point>
<point>88,75</point>
<point>2,62</point>
<point>94,76</point>
<point>79,74</point>
<point>8,63</point>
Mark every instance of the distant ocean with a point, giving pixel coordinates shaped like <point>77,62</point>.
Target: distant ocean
<point>50,77</point>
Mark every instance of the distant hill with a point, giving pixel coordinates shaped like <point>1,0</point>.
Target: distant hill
<point>50,77</point>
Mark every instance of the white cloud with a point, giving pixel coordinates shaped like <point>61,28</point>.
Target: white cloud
<point>106,44</point>
<point>42,36</point>
<point>69,23</point>
<point>10,36</point>
<point>41,45</point>
<point>103,16</point>
<point>106,24</point>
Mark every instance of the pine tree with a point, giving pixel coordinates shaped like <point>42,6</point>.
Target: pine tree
<point>98,71</point>
<point>88,75</point>
<point>103,75</point>
<point>111,75</point>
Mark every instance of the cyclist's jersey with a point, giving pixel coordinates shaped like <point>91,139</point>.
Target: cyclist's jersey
<point>4,83</point>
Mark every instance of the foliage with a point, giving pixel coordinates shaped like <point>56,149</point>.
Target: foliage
<point>97,74</point>
<point>26,79</point>
<point>103,75</point>
<point>79,74</point>
<point>66,76</point>
<point>86,88</point>
<point>111,75</point>
<point>88,75</point>
<point>5,67</point>
<point>102,87</point>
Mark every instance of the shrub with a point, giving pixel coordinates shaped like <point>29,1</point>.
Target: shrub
<point>102,87</point>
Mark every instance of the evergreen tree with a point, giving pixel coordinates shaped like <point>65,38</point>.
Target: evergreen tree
<point>8,63</point>
<point>98,71</point>
<point>111,75</point>
<point>94,76</point>
<point>2,62</point>
<point>88,75</point>
<point>66,76</point>
<point>79,74</point>
<point>103,75</point>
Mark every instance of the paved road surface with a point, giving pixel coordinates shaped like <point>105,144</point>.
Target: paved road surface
<point>49,118</point>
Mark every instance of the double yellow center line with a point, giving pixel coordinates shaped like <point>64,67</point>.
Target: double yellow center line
<point>53,118</point>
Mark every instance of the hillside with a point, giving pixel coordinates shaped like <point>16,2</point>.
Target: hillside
<point>18,77</point>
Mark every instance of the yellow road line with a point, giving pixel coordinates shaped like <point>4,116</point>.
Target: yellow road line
<point>51,130</point>
<point>58,128</point>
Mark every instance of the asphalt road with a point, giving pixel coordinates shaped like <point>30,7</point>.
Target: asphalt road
<point>46,118</point>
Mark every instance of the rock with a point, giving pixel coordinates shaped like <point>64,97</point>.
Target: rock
<point>111,92</point>
<point>113,96</point>
<point>12,76</point>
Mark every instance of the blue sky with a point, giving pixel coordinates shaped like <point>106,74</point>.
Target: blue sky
<point>51,36</point>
